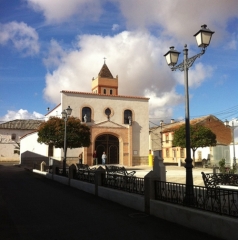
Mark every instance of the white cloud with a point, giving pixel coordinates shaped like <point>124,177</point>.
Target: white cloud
<point>172,17</point>
<point>177,18</point>
<point>197,75</point>
<point>115,27</point>
<point>55,55</point>
<point>161,107</point>
<point>136,57</point>
<point>23,37</point>
<point>233,43</point>
<point>21,114</point>
<point>56,11</point>
<point>180,18</point>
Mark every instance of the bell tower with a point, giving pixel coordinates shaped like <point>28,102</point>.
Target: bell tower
<point>105,83</point>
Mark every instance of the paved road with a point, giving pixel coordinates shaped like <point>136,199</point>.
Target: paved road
<point>33,207</point>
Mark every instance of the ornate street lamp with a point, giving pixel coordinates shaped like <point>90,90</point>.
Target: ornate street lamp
<point>203,37</point>
<point>233,135</point>
<point>65,114</point>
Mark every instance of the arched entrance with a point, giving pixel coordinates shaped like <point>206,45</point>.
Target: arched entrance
<point>110,145</point>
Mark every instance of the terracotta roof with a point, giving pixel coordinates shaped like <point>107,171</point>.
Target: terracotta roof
<point>174,126</point>
<point>103,95</point>
<point>223,133</point>
<point>105,72</point>
<point>22,124</point>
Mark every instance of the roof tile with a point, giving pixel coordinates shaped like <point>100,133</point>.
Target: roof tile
<point>105,72</point>
<point>28,124</point>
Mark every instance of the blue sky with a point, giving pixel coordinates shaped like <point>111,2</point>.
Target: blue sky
<point>49,46</point>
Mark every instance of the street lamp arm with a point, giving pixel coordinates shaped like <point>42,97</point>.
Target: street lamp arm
<point>189,63</point>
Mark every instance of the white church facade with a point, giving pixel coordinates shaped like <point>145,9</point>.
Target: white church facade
<point>119,125</point>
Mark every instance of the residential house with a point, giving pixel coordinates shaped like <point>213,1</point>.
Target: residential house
<point>175,155</point>
<point>10,133</point>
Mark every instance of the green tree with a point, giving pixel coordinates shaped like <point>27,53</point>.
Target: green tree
<point>200,136</point>
<point>52,132</point>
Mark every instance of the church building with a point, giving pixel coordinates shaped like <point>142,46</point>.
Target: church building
<point>119,125</point>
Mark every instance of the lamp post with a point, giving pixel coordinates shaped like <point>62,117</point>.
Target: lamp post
<point>233,136</point>
<point>65,114</point>
<point>203,37</point>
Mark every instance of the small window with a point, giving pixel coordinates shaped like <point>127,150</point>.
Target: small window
<point>110,91</point>
<point>104,91</point>
<point>13,136</point>
<point>127,116</point>
<point>167,138</point>
<point>86,114</point>
<point>108,112</point>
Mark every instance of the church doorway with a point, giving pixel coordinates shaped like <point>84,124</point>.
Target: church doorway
<point>110,145</point>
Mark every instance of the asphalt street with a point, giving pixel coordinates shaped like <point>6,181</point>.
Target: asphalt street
<point>34,207</point>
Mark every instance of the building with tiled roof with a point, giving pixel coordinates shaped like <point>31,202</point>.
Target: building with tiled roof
<point>173,154</point>
<point>119,124</point>
<point>10,134</point>
<point>21,124</point>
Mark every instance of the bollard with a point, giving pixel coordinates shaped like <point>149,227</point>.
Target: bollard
<point>150,160</point>
<point>159,168</point>
<point>72,172</point>
<point>99,177</point>
<point>42,166</point>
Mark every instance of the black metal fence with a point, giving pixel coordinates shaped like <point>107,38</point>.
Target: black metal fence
<point>59,171</point>
<point>217,200</point>
<point>125,183</point>
<point>129,184</point>
<point>86,176</point>
<point>214,199</point>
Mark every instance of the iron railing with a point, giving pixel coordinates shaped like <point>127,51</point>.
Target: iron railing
<point>216,179</point>
<point>59,171</point>
<point>214,199</point>
<point>125,183</point>
<point>86,176</point>
<point>217,200</point>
